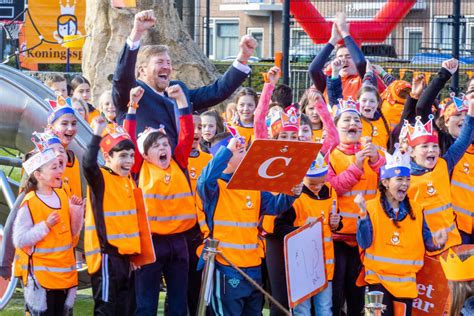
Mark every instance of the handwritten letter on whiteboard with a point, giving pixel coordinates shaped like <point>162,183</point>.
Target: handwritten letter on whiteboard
<point>304,261</point>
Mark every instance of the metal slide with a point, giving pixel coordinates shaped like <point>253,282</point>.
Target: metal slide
<point>23,110</point>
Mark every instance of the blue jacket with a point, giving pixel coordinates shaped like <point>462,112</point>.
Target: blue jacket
<point>208,191</point>
<point>155,109</point>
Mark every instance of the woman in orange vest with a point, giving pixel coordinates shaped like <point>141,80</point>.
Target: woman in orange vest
<point>46,231</point>
<point>353,169</point>
<point>393,234</point>
<point>318,199</point>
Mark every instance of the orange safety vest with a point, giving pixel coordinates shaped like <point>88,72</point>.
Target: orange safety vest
<point>367,185</point>
<point>195,166</point>
<point>318,135</point>
<point>432,192</point>
<point>52,259</point>
<point>92,115</point>
<point>396,253</point>
<point>168,199</point>
<point>235,226</point>
<point>245,132</point>
<point>367,128</point>
<point>308,209</point>
<point>380,134</point>
<point>462,185</point>
<point>393,112</point>
<point>72,175</point>
<point>121,222</point>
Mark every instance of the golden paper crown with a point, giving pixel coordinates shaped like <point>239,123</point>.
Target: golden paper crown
<point>457,270</point>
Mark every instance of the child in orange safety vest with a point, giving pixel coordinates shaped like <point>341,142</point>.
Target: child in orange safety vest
<point>462,177</point>
<point>318,199</point>
<point>112,237</point>
<point>170,208</point>
<point>232,217</point>
<point>393,234</point>
<point>430,183</point>
<point>45,233</point>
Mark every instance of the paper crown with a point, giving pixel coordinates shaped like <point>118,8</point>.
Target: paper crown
<point>115,134</point>
<point>347,105</point>
<point>457,105</point>
<point>44,154</point>
<point>455,269</point>
<point>419,133</point>
<point>47,138</point>
<point>397,165</point>
<point>318,167</point>
<point>144,135</point>
<point>288,121</point>
<point>60,107</point>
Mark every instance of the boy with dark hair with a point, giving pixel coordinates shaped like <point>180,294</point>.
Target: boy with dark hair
<point>232,217</point>
<point>112,231</point>
<point>283,96</point>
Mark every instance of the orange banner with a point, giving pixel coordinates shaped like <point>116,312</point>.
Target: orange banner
<point>54,19</point>
<point>433,291</point>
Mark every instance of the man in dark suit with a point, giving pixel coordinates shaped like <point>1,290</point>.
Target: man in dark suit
<point>153,67</point>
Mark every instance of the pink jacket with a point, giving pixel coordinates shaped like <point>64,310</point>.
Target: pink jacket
<point>344,181</point>
<point>261,129</point>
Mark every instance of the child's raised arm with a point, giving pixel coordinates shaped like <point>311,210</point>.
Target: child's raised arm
<point>259,118</point>
<point>186,131</point>
<point>130,126</point>
<point>423,107</point>
<point>332,138</point>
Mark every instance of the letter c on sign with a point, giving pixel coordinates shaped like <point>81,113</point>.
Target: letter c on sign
<point>262,171</point>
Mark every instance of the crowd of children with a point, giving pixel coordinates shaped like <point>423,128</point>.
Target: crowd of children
<point>392,183</point>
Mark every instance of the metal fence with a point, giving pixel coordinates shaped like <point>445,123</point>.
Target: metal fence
<point>418,43</point>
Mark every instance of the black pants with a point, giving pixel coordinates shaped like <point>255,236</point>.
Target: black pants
<point>344,286</point>
<point>388,300</point>
<point>194,239</point>
<point>275,261</point>
<point>55,300</point>
<point>112,286</point>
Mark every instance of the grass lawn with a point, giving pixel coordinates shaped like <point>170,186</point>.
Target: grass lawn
<point>14,173</point>
<point>84,304</point>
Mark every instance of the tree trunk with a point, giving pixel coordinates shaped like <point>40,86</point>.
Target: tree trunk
<point>109,27</point>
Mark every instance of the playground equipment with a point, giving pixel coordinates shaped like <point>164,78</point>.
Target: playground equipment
<point>24,110</point>
<point>374,31</point>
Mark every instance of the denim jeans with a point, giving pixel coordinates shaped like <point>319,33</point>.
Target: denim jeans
<point>322,304</point>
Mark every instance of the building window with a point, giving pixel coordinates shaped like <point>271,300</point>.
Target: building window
<point>443,34</point>
<point>257,33</point>
<point>224,38</point>
<point>413,41</point>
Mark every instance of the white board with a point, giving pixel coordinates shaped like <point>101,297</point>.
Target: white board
<point>305,262</point>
